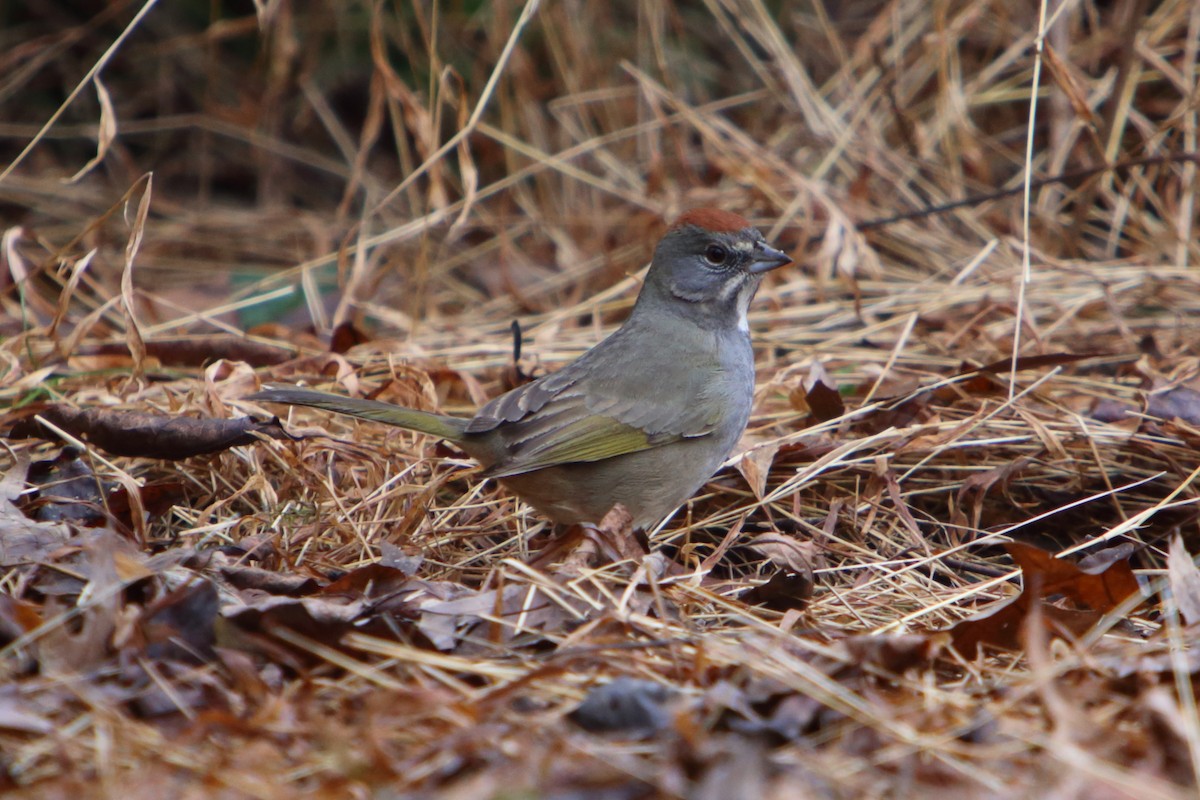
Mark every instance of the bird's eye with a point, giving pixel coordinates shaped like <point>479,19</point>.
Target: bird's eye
<point>716,255</point>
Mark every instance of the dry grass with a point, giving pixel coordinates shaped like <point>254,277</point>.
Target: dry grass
<point>429,174</point>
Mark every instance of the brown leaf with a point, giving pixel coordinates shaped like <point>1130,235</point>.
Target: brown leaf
<point>982,482</point>
<point>133,334</point>
<point>195,351</point>
<point>824,401</point>
<point>1099,589</point>
<point>181,624</point>
<point>613,540</point>
<point>346,336</point>
<point>755,466</point>
<point>1002,628</point>
<point>370,582</point>
<point>787,552</point>
<point>69,490</point>
<point>136,433</point>
<point>783,591</point>
<point>84,644</point>
<point>105,134</point>
<point>266,580</point>
<point>16,618</point>
<point>323,620</point>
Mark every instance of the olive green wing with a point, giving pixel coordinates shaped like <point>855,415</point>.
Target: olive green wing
<point>570,417</point>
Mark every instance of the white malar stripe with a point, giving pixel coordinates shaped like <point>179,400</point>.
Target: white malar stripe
<point>743,305</point>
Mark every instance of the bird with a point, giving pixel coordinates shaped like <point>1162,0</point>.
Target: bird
<point>644,418</point>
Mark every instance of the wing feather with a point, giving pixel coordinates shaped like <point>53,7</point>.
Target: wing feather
<point>590,410</point>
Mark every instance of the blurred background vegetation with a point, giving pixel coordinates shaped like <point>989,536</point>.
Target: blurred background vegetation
<point>283,134</point>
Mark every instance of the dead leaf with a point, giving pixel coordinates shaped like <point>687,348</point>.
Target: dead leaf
<point>314,617</point>
<point>1184,578</point>
<point>15,716</point>
<point>88,639</point>
<point>1006,365</point>
<point>16,618</point>
<point>787,552</point>
<point>627,705</point>
<point>755,466</point>
<point>69,490</point>
<point>288,584</point>
<point>369,582</point>
<point>1099,591</point>
<point>136,433</point>
<point>1179,402</point>
<point>181,624</point>
<point>820,397</point>
<point>783,591</point>
<point>133,333</point>
<point>195,351</point>
<point>613,540</point>
<point>1100,584</point>
<point>106,131</point>
<point>514,609</point>
<point>23,540</point>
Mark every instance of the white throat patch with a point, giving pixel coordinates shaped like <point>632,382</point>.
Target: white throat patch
<point>745,295</point>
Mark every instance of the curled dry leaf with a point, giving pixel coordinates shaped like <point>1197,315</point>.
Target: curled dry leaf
<point>755,466</point>
<point>787,552</point>
<point>137,433</point>
<point>195,351</point>
<point>792,585</point>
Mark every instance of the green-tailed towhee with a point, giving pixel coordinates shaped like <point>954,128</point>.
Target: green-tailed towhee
<point>645,417</point>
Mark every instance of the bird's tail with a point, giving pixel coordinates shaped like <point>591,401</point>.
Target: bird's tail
<point>450,428</point>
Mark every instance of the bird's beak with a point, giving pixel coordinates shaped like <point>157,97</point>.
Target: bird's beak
<point>767,258</point>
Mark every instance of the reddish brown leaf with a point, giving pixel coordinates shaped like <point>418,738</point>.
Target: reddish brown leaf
<point>783,591</point>
<point>16,618</point>
<point>1002,628</point>
<point>288,584</point>
<point>1099,590</point>
<point>787,552</point>
<point>824,402</point>
<point>345,336</point>
<point>755,466</point>
<point>195,351</point>
<point>371,581</point>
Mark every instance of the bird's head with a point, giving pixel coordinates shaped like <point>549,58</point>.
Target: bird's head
<point>708,266</point>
